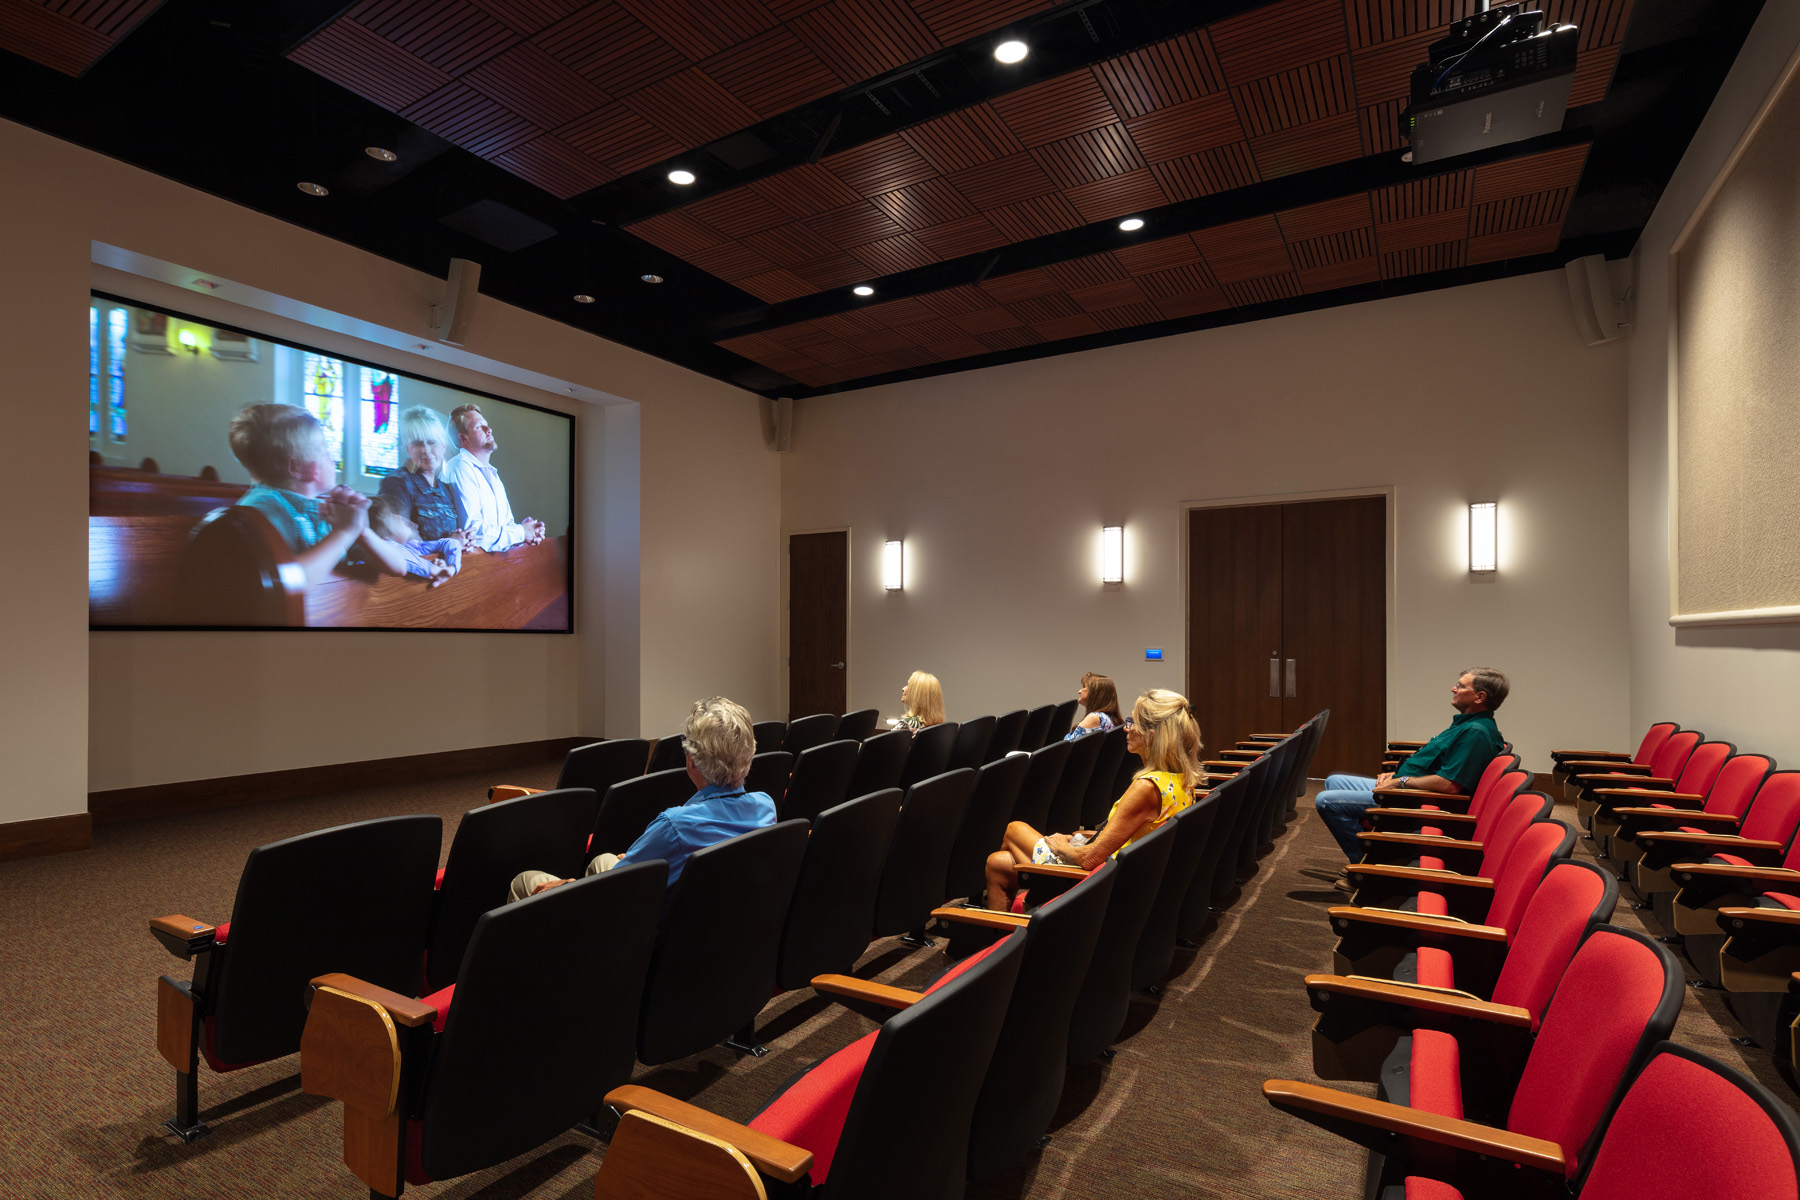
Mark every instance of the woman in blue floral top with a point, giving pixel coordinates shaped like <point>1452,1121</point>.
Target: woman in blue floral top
<point>1100,698</point>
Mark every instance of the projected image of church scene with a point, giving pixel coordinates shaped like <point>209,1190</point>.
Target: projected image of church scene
<point>241,482</point>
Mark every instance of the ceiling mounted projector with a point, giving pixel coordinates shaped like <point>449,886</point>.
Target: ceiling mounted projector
<point>1500,76</point>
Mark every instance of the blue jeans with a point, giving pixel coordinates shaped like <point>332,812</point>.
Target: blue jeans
<point>1341,806</point>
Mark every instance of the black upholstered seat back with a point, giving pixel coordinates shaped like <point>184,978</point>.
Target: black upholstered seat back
<point>668,755</point>
<point>833,909</point>
<point>1105,994</point>
<point>919,1087</point>
<point>542,1019</point>
<point>1196,907</point>
<point>769,772</point>
<point>355,898</point>
<point>1008,728</point>
<point>859,725</point>
<point>1156,944</point>
<point>912,879</point>
<point>930,753</point>
<point>542,832</point>
<point>984,824</point>
<point>1129,765</point>
<point>1239,843</point>
<point>1071,788</point>
<point>1039,786</point>
<point>1103,782</point>
<point>1025,1079</point>
<point>627,808</point>
<point>599,765</point>
<point>807,732</point>
<point>881,762</point>
<point>769,735</point>
<point>970,747</point>
<point>1062,720</point>
<point>714,966</point>
<point>1037,724</point>
<point>821,780</point>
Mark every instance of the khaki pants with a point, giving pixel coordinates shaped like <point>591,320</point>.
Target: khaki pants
<point>526,882</point>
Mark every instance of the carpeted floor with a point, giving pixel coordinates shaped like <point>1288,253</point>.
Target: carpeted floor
<point>1176,1113</point>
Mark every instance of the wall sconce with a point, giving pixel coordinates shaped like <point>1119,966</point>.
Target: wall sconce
<point>1112,554</point>
<point>1483,537</point>
<point>190,341</point>
<point>893,566</point>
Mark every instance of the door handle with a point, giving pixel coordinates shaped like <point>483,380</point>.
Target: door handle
<point>1275,677</point>
<point>837,666</point>
<point>1291,678</point>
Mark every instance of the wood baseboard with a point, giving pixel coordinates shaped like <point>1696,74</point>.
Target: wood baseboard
<point>232,791</point>
<point>46,835</point>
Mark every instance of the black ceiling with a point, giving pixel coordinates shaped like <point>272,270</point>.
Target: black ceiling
<point>213,93</point>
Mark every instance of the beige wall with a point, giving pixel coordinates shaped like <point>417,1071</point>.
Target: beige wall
<point>1735,683</point>
<point>157,707</point>
<point>1000,480</point>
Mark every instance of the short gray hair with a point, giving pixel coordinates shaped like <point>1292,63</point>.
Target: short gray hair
<point>720,737</point>
<point>1491,682</point>
<point>422,424</point>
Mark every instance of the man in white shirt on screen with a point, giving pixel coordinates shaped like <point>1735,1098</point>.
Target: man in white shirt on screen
<point>483,494</point>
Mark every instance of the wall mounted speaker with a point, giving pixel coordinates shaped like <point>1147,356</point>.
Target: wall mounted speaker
<point>450,320</point>
<point>778,423</point>
<point>1591,299</point>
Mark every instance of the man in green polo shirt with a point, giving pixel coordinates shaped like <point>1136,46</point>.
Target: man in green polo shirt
<point>1451,762</point>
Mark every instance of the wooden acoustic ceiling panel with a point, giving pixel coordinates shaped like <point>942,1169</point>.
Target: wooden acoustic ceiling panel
<point>1504,210</point>
<point>69,35</point>
<point>568,94</point>
<point>1282,89</point>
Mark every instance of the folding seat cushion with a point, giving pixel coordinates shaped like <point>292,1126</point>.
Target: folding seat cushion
<point>1619,997</point>
<point>809,1109</point>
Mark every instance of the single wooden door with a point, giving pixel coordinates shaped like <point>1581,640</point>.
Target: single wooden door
<point>818,622</point>
<point>1234,622</point>
<point>1334,627</point>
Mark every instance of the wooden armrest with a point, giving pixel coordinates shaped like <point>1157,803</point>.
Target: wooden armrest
<point>1241,756</point>
<point>1725,820</point>
<point>1733,871</point>
<point>509,791</point>
<point>853,988</point>
<point>1436,841</point>
<point>1258,744</point>
<point>771,1156</point>
<point>1406,745</point>
<point>1611,767</point>
<point>1729,843</point>
<point>403,1009</point>
<point>1423,876</point>
<point>1638,783</point>
<point>1292,1095</point>
<point>1676,801</point>
<point>1227,768</point>
<point>986,918</point>
<point>1053,870</point>
<point>1762,916</point>
<point>1422,814</point>
<point>1396,790</point>
<point>1418,922</point>
<point>350,1051</point>
<point>182,936</point>
<point>1436,1000</point>
<point>1592,755</point>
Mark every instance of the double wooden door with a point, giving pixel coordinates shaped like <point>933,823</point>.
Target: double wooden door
<point>1287,614</point>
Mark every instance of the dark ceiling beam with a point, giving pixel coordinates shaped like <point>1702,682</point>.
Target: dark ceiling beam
<point>1062,39</point>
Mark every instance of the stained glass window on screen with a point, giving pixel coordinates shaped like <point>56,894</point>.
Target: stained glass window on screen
<point>93,371</point>
<point>322,385</point>
<point>380,422</point>
<point>115,372</point>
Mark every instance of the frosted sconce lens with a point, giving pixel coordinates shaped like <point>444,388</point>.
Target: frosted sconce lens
<point>893,565</point>
<point>1483,519</point>
<point>1112,554</point>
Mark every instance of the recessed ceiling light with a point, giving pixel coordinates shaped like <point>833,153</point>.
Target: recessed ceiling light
<point>651,278</point>
<point>682,177</point>
<point>1131,224</point>
<point>863,290</point>
<point>1011,52</point>
<point>313,189</point>
<point>380,153</point>
<point>583,298</point>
